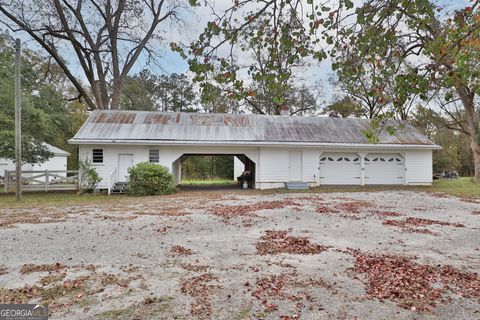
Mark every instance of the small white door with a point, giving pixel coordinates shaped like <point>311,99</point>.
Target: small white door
<point>125,161</point>
<point>295,166</point>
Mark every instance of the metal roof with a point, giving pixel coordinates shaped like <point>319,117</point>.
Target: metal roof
<point>112,125</point>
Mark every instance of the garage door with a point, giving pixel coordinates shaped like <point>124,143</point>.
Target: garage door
<point>384,169</point>
<point>339,168</point>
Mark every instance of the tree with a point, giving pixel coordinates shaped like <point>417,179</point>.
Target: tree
<point>105,38</point>
<point>46,115</point>
<point>344,107</point>
<point>443,52</point>
<point>254,49</point>
<point>148,92</point>
<point>455,153</point>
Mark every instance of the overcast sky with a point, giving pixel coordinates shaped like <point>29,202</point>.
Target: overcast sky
<point>195,20</point>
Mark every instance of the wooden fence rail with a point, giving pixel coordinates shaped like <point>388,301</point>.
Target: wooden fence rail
<point>48,180</point>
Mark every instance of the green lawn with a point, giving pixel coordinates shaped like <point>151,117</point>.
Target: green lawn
<point>207,182</point>
<point>38,199</point>
<point>463,187</point>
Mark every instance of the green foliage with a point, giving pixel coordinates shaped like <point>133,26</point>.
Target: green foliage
<point>146,179</point>
<point>148,92</point>
<point>275,38</point>
<point>46,115</point>
<point>207,168</point>
<point>88,176</point>
<point>344,107</point>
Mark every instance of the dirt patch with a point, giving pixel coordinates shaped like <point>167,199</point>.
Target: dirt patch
<point>275,242</point>
<point>3,270</point>
<point>412,285</point>
<point>45,281</point>
<point>164,211</point>
<point>411,224</point>
<point>107,279</point>
<point>181,251</point>
<point>30,268</point>
<point>194,268</point>
<point>199,288</point>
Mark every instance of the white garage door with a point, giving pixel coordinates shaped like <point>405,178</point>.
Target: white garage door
<point>339,168</point>
<point>383,168</point>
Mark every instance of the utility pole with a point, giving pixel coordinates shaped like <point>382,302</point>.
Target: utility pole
<point>18,122</point>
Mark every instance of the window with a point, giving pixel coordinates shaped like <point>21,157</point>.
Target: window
<point>398,160</point>
<point>323,159</point>
<point>381,159</point>
<point>97,156</point>
<point>330,159</point>
<point>391,160</point>
<point>347,159</point>
<point>154,155</point>
<point>356,159</point>
<point>376,159</point>
<point>340,159</point>
<point>366,159</point>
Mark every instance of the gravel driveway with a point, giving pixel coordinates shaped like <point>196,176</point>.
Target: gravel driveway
<point>359,255</point>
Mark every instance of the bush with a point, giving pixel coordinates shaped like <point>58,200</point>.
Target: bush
<point>147,179</point>
<point>89,178</point>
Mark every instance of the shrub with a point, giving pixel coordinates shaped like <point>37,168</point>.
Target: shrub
<point>146,179</point>
<point>89,178</point>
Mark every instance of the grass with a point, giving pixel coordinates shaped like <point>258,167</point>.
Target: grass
<point>37,199</point>
<point>219,182</point>
<point>463,187</point>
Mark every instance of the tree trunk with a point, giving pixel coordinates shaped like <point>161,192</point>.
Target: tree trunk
<point>467,97</point>
<point>476,156</point>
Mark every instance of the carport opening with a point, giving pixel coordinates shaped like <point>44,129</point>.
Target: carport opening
<point>210,170</point>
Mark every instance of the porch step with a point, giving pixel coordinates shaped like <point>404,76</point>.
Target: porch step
<point>294,185</point>
<point>119,187</point>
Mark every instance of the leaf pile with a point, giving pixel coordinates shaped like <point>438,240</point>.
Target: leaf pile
<point>354,207</point>
<point>275,242</point>
<point>381,213</point>
<point>179,250</point>
<point>412,285</point>
<point>272,289</point>
<point>349,210</point>
<point>250,209</point>
<point>411,224</point>
<point>199,288</point>
<point>30,268</point>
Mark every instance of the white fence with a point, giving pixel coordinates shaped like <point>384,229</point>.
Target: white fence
<point>43,180</point>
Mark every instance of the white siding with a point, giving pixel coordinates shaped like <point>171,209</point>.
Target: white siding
<point>238,168</point>
<point>274,165</point>
<point>168,157</point>
<point>57,162</point>
<point>419,167</point>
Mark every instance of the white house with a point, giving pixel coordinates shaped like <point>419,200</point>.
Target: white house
<point>58,162</point>
<point>277,150</point>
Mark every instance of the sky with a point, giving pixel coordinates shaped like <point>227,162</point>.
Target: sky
<point>194,22</point>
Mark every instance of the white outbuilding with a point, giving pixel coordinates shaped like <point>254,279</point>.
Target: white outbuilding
<point>56,163</point>
<point>276,150</point>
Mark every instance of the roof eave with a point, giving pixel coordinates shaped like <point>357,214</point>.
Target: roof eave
<point>256,144</point>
